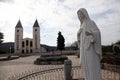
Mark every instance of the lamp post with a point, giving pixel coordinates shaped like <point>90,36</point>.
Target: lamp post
<point>10,50</point>
<point>10,53</point>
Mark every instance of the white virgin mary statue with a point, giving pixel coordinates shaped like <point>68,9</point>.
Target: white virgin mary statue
<point>89,41</point>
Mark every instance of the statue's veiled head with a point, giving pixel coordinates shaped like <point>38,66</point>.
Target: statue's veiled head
<point>82,14</point>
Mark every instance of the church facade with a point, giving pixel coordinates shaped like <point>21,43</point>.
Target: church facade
<point>27,45</point>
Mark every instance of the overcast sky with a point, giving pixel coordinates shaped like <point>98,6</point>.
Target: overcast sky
<point>59,15</point>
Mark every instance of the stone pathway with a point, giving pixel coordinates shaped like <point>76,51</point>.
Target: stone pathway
<point>25,65</point>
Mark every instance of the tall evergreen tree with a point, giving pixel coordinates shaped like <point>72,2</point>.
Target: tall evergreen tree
<point>1,37</point>
<point>60,42</point>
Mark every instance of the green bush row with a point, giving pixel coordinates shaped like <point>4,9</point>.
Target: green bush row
<point>52,58</point>
<point>51,55</point>
<point>48,59</point>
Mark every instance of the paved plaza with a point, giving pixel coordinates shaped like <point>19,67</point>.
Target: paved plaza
<point>25,65</point>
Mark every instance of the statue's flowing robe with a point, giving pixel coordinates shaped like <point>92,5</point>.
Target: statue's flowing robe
<point>90,50</point>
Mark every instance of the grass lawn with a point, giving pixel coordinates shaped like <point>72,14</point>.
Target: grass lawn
<point>6,57</point>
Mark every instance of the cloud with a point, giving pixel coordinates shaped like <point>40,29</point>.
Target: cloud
<point>59,15</point>
<point>6,1</point>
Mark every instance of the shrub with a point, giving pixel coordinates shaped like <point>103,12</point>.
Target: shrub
<point>111,59</point>
<point>50,58</point>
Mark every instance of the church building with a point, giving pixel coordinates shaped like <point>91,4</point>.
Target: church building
<point>27,45</point>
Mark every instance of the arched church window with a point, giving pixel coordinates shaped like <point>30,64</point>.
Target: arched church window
<point>26,51</point>
<point>23,44</point>
<point>26,42</point>
<point>22,51</point>
<point>17,30</point>
<point>35,29</point>
<point>30,43</point>
<point>30,50</point>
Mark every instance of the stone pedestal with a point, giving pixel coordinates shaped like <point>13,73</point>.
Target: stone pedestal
<point>67,69</point>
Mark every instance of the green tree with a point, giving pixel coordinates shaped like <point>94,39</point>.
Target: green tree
<point>60,42</point>
<point>74,45</point>
<point>118,42</point>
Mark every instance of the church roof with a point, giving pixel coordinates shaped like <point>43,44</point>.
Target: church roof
<point>19,25</point>
<point>36,24</point>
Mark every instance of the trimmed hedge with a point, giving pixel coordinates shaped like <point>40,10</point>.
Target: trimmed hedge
<point>50,55</point>
<point>50,59</point>
<point>111,59</point>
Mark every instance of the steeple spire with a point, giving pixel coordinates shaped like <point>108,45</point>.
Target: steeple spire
<point>19,25</point>
<point>36,24</point>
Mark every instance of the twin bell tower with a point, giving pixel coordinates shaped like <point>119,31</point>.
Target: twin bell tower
<point>27,45</point>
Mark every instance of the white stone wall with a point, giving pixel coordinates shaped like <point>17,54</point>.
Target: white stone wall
<point>27,47</point>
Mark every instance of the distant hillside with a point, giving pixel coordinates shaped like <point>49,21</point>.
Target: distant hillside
<point>49,48</point>
<point>5,47</point>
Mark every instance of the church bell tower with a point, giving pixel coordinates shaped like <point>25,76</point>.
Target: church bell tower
<point>18,37</point>
<point>36,37</point>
